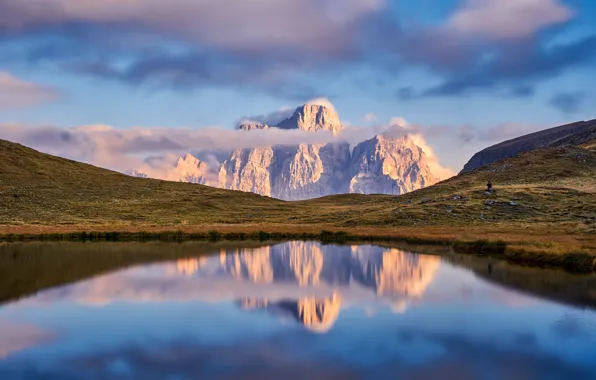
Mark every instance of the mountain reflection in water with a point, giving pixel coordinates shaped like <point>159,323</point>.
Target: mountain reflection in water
<point>295,275</point>
<point>289,310</point>
<point>317,314</point>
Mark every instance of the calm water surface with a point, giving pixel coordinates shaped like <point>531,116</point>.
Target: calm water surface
<point>287,311</point>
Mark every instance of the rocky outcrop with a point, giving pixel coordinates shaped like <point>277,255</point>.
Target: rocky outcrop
<point>313,118</point>
<point>311,171</point>
<point>192,170</point>
<point>248,170</point>
<point>389,163</point>
<point>250,126</point>
<point>290,173</point>
<point>136,173</point>
<point>558,136</point>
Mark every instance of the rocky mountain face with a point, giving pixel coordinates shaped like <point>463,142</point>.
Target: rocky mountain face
<point>389,163</point>
<point>191,169</point>
<point>249,126</point>
<point>569,134</point>
<point>313,118</point>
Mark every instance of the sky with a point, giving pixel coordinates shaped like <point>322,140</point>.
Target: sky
<point>465,74</point>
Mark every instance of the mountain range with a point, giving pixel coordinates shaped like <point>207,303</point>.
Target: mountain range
<point>389,163</point>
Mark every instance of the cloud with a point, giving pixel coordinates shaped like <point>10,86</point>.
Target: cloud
<point>502,47</point>
<point>508,19</point>
<point>275,117</point>
<point>15,92</point>
<point>155,150</point>
<point>456,144</point>
<point>290,47</point>
<point>322,101</point>
<point>434,164</point>
<point>263,358</point>
<point>271,119</point>
<point>232,25</point>
<point>513,70</point>
<point>568,102</point>
<point>265,44</point>
<point>370,117</point>
<point>417,136</point>
<point>123,149</point>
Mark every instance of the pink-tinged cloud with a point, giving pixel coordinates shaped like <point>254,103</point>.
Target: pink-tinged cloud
<point>370,117</point>
<point>417,134</point>
<point>295,48</point>
<point>15,92</point>
<point>508,19</point>
<point>315,25</point>
<point>155,150</point>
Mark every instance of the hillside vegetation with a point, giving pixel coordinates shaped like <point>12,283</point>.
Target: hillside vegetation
<point>546,197</point>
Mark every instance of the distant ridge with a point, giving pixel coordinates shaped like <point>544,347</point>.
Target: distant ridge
<point>569,134</point>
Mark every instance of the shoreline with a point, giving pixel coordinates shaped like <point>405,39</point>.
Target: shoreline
<point>526,249</point>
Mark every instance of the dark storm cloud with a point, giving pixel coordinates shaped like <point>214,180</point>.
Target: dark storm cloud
<point>283,46</point>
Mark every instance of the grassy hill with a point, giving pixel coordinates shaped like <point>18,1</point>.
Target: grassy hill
<point>574,133</point>
<point>37,188</point>
<point>545,199</point>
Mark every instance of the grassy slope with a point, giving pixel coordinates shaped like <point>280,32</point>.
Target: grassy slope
<point>38,188</point>
<point>553,190</point>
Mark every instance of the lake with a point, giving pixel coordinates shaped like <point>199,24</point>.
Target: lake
<point>289,310</point>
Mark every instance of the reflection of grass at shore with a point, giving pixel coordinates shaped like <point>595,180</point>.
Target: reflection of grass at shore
<point>527,254</point>
<point>27,268</point>
<point>566,287</point>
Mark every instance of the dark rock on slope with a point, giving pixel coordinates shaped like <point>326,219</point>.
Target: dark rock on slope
<point>569,134</point>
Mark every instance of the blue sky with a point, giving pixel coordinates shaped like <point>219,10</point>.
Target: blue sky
<point>448,65</point>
